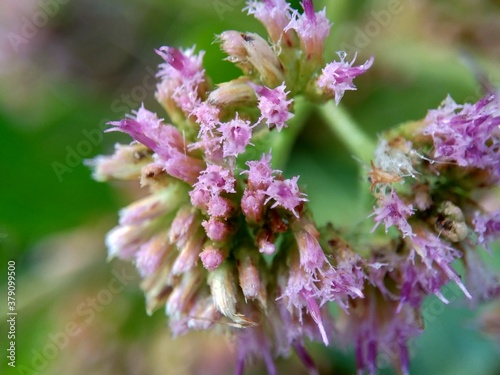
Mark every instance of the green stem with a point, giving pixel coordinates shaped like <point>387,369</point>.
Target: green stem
<point>283,142</point>
<point>345,128</point>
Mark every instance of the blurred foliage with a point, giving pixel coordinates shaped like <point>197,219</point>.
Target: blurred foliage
<point>93,62</point>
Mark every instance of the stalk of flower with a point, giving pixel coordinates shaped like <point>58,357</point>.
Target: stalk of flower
<point>226,240</point>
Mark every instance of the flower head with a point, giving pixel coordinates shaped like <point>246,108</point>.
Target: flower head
<point>336,77</point>
<point>468,135</point>
<point>393,211</point>
<point>273,105</point>
<point>182,77</point>
<point>274,15</point>
<point>312,29</point>
<point>487,227</point>
<point>236,135</point>
<point>286,194</point>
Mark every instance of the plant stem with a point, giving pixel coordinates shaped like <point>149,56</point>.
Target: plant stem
<point>345,128</point>
<point>283,142</point>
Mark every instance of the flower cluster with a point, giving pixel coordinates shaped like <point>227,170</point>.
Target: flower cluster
<point>225,239</point>
<point>430,178</point>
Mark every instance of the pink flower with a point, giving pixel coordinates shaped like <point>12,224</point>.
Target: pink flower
<point>286,194</point>
<point>208,117</point>
<point>312,28</point>
<point>260,173</point>
<point>274,15</point>
<point>217,230</point>
<point>487,227</point>
<point>182,74</point>
<point>180,64</point>
<point>215,180</point>
<point>206,193</point>
<point>273,105</point>
<point>301,293</point>
<point>430,271</point>
<point>306,235</point>
<point>393,211</point>
<point>468,135</point>
<point>336,77</point>
<point>165,140</point>
<point>375,326</point>
<point>212,258</point>
<point>236,135</point>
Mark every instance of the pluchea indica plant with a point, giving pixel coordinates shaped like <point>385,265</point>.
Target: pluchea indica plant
<point>225,240</point>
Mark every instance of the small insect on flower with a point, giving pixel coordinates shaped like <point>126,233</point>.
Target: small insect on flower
<point>379,177</point>
<point>450,222</point>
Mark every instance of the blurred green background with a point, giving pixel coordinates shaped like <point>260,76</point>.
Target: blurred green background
<point>69,66</point>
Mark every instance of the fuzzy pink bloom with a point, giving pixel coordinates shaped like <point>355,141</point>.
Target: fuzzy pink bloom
<point>181,75</point>
<point>301,293</point>
<point>236,135</point>
<point>273,105</point>
<point>336,77</point>
<point>211,258</point>
<point>252,204</point>
<point>312,29</point>
<point>219,206</point>
<point>206,193</point>
<point>467,134</point>
<point>165,140</point>
<point>217,230</point>
<point>274,15</point>
<point>208,117</point>
<point>430,271</point>
<point>260,173</point>
<point>216,179</point>
<point>487,227</point>
<point>286,194</point>
<point>393,211</point>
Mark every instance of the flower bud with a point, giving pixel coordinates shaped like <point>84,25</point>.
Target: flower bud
<point>203,314</point>
<point>217,229</point>
<point>151,254</point>
<point>250,51</point>
<point>265,241</point>
<point>154,205</point>
<point>249,273</point>
<point>252,205</point>
<point>212,257</point>
<point>180,300</point>
<point>154,177</point>
<point>235,92</point>
<point>189,253</point>
<point>306,235</point>
<point>158,286</point>
<point>124,241</point>
<point>224,293</point>
<point>183,226</point>
<point>124,164</point>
